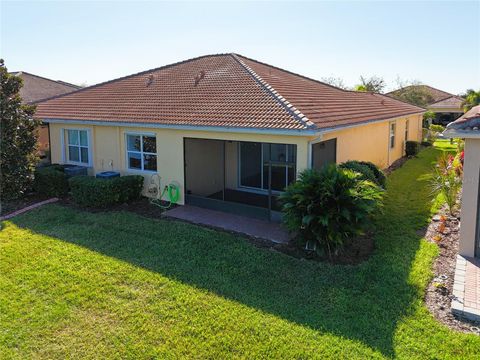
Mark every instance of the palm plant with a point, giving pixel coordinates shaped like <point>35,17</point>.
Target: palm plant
<point>447,180</point>
<point>327,207</point>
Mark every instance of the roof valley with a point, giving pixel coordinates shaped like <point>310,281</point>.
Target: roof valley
<point>292,110</point>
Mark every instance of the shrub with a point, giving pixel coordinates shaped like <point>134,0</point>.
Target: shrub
<point>93,192</point>
<point>412,148</point>
<point>426,143</point>
<point>447,179</point>
<point>437,128</point>
<point>364,170</point>
<point>325,207</point>
<point>379,175</point>
<point>51,181</point>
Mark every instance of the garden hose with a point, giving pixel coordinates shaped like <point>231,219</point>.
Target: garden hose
<point>173,192</point>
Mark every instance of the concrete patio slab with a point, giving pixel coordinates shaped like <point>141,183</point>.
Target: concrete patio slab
<point>466,288</point>
<point>236,223</point>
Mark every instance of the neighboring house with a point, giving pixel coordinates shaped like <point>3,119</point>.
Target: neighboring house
<point>468,127</point>
<point>36,88</point>
<point>447,107</point>
<point>225,128</point>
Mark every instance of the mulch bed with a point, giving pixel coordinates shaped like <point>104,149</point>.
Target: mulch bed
<point>17,204</point>
<point>444,231</point>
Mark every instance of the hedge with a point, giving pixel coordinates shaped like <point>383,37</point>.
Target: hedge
<point>51,181</point>
<point>93,192</point>
<point>412,148</point>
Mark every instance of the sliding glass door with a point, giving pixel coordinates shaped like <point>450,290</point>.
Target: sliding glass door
<point>255,160</point>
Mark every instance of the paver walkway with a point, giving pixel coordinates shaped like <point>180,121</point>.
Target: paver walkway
<point>466,288</point>
<point>244,225</point>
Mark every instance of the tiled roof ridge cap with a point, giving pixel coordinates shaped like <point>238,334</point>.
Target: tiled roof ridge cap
<point>132,75</point>
<point>292,110</point>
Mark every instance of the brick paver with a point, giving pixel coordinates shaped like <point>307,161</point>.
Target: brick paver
<point>466,288</point>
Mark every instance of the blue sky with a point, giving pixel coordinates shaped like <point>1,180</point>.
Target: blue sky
<point>437,43</point>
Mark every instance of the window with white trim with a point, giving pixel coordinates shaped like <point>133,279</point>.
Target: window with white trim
<point>141,152</point>
<point>392,135</point>
<point>77,147</point>
<point>407,125</point>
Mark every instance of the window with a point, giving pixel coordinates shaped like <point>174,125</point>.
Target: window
<point>406,130</point>
<point>392,135</point>
<point>141,152</point>
<point>77,147</point>
<point>255,160</point>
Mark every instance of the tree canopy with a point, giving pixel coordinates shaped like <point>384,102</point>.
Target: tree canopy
<point>18,137</point>
<point>472,98</point>
<point>372,84</point>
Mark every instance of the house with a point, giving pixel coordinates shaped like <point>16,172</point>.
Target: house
<point>230,131</point>
<point>36,88</point>
<point>468,127</point>
<point>447,107</point>
<point>466,291</point>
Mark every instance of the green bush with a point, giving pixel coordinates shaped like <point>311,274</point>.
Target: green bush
<point>379,175</point>
<point>436,128</point>
<point>364,170</point>
<point>93,192</point>
<point>51,181</point>
<point>412,148</point>
<point>325,207</point>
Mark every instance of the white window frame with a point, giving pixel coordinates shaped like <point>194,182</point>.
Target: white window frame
<point>392,134</point>
<point>260,190</point>
<point>65,144</point>
<point>141,152</point>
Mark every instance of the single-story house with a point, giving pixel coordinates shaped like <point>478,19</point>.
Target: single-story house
<point>468,127</point>
<point>36,88</point>
<point>447,107</point>
<point>225,128</point>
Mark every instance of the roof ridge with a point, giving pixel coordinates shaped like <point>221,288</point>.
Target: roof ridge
<point>292,110</point>
<point>60,82</point>
<point>131,75</point>
<point>449,97</point>
<point>293,73</point>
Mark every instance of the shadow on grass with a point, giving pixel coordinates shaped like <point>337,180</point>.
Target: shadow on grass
<point>363,303</point>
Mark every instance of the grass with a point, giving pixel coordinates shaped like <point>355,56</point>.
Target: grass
<point>117,285</point>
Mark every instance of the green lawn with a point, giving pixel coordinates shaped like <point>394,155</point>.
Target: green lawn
<point>116,285</point>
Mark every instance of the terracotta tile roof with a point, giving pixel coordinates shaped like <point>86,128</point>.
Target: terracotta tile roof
<point>225,90</point>
<point>436,94</point>
<point>450,102</point>
<point>36,88</point>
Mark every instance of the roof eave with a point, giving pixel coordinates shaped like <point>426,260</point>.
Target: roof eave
<point>224,129</point>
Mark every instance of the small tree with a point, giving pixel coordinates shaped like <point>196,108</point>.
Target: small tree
<point>18,138</point>
<point>373,84</point>
<point>428,118</point>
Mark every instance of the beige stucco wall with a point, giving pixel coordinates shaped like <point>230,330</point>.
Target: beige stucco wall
<point>109,153</point>
<point>370,142</point>
<point>470,197</point>
<point>366,142</point>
